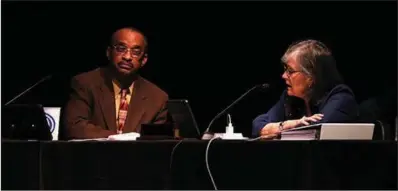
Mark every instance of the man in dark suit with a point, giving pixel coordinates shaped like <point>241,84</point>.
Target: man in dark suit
<point>115,99</point>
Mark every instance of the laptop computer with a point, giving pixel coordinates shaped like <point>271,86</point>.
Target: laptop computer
<point>25,122</point>
<point>53,116</point>
<point>347,131</point>
<point>331,131</point>
<point>156,132</point>
<point>183,118</point>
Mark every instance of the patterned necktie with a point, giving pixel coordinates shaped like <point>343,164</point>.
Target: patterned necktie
<point>123,107</point>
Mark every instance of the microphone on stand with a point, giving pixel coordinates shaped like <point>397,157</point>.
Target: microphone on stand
<point>207,131</point>
<point>34,85</point>
<point>26,121</point>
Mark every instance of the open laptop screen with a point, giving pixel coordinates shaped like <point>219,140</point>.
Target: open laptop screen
<point>183,117</point>
<point>25,122</point>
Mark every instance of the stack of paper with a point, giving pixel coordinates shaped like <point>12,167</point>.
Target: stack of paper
<point>117,137</point>
<point>310,134</point>
<point>125,136</point>
<point>97,139</point>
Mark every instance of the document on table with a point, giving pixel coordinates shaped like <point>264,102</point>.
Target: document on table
<point>117,137</point>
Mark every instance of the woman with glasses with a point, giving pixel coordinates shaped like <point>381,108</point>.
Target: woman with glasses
<point>315,92</point>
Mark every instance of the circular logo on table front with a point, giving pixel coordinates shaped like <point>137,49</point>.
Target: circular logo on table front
<point>50,122</point>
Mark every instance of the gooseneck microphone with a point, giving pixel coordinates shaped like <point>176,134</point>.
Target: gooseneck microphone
<point>34,85</point>
<point>262,86</point>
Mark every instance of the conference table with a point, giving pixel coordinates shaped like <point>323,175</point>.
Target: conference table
<point>185,164</point>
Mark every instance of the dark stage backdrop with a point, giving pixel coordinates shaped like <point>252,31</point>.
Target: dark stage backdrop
<point>207,52</point>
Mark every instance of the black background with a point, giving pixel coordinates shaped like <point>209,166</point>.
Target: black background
<point>207,52</point>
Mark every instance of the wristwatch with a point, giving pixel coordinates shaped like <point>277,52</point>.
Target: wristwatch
<point>281,126</point>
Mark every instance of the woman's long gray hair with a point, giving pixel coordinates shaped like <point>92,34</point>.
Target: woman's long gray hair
<point>316,60</point>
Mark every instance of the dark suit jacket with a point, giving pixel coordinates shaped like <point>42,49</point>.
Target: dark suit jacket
<point>90,111</point>
<point>338,106</point>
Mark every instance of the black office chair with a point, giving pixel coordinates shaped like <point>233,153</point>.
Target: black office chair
<point>370,111</point>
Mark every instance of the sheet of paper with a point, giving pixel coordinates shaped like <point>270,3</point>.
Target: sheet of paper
<point>125,136</point>
<point>97,139</point>
<point>117,137</point>
<point>314,126</point>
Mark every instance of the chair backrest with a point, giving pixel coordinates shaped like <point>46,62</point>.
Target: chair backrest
<point>370,112</point>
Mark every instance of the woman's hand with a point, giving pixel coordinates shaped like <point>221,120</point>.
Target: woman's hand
<point>273,129</point>
<point>269,136</point>
<point>302,122</point>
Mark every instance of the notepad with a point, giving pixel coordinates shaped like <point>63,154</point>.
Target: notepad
<point>117,137</point>
<point>125,136</point>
